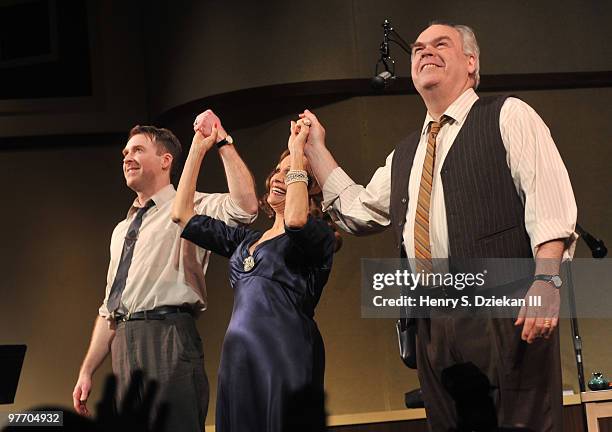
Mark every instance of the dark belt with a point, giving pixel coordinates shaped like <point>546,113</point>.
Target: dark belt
<point>158,313</point>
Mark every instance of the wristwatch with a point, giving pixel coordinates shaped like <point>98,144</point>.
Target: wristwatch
<point>553,279</point>
<point>227,140</point>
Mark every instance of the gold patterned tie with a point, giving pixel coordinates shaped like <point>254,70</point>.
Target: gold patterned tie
<point>422,244</point>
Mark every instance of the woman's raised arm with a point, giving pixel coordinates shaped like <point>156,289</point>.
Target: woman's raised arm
<point>182,209</point>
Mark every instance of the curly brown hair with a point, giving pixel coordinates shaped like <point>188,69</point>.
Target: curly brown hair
<point>315,196</point>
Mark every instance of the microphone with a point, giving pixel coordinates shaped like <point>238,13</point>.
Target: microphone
<point>385,78</point>
<point>382,80</point>
<point>598,248</point>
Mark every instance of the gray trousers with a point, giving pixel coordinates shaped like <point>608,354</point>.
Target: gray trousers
<point>459,354</point>
<point>170,352</point>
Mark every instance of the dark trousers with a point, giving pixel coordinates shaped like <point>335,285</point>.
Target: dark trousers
<point>477,374</point>
<point>170,352</point>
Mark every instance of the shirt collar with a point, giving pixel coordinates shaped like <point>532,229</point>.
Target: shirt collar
<point>160,198</point>
<point>457,111</point>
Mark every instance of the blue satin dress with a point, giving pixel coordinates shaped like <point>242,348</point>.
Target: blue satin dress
<point>273,359</point>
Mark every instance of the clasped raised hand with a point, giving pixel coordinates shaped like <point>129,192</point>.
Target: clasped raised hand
<point>298,135</point>
<point>200,142</point>
<point>205,121</point>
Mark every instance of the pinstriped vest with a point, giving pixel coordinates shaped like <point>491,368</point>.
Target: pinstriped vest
<point>484,213</point>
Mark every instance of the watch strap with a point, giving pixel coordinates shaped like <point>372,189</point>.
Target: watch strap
<point>227,140</point>
<point>555,280</point>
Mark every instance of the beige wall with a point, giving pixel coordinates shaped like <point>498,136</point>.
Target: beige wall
<point>215,48</point>
<point>63,204</point>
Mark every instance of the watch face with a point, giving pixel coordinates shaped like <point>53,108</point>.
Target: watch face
<point>556,280</point>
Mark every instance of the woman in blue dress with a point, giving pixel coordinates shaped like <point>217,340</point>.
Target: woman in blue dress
<point>273,359</point>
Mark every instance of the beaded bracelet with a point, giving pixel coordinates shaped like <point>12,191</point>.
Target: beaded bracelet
<point>296,176</point>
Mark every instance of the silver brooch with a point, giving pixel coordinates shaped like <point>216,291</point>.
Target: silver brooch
<point>248,263</point>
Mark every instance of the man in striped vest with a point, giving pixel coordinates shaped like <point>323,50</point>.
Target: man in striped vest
<point>481,179</point>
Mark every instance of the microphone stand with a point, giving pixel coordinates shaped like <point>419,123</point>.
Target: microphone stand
<point>598,250</point>
<point>390,35</point>
<point>575,330</point>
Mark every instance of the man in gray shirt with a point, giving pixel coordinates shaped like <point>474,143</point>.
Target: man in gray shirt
<point>155,283</point>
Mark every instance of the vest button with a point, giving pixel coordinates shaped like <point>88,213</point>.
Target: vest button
<point>404,200</point>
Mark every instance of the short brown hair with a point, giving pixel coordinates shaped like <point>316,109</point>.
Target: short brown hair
<point>165,140</point>
<point>315,199</point>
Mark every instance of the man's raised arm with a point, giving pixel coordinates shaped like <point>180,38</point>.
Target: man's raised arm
<point>355,209</point>
<point>239,178</point>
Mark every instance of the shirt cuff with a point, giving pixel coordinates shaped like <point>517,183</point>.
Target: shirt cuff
<point>335,184</point>
<point>221,206</point>
<point>103,311</point>
<point>237,214</point>
<point>554,230</point>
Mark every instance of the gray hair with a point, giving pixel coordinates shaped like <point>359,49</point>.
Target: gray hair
<point>470,45</point>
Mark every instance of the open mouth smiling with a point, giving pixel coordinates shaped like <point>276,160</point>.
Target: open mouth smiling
<point>429,66</point>
<point>278,191</point>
